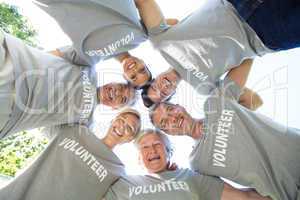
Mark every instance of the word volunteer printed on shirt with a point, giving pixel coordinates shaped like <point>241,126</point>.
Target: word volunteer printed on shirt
<point>166,186</point>
<point>181,57</point>
<point>88,98</point>
<point>222,137</point>
<point>110,49</point>
<point>88,158</point>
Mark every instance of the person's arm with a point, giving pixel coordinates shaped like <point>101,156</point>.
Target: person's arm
<point>250,99</point>
<point>240,74</point>
<point>150,13</point>
<point>56,53</point>
<point>69,53</point>
<point>231,193</point>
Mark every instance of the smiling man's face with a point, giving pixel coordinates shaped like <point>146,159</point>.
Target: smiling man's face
<point>116,95</point>
<point>164,86</point>
<point>173,119</point>
<point>153,153</point>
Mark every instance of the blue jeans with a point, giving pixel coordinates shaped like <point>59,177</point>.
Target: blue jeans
<point>276,22</point>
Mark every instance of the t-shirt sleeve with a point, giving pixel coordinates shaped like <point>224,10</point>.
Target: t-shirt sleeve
<point>209,187</point>
<point>110,195</point>
<point>70,54</point>
<point>229,89</point>
<point>160,28</point>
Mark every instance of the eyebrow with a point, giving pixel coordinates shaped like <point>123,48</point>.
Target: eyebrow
<point>168,108</point>
<point>124,100</point>
<point>152,86</point>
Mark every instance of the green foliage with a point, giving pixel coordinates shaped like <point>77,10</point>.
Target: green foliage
<point>17,150</point>
<point>11,21</point>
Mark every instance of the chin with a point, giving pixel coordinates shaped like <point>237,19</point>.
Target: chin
<point>157,170</point>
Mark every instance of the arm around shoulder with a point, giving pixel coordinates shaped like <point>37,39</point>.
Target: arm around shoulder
<point>231,193</point>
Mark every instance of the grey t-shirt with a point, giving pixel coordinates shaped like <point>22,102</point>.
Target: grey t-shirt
<point>47,90</point>
<point>171,185</point>
<point>6,84</point>
<point>247,147</point>
<point>75,165</point>
<point>207,43</point>
<point>99,29</point>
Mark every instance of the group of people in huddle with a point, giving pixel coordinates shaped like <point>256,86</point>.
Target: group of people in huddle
<point>212,49</point>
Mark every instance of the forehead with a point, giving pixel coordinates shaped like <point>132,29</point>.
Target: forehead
<point>129,117</point>
<point>149,138</point>
<point>153,94</point>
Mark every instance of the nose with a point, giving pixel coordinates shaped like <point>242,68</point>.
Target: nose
<point>173,117</point>
<point>152,149</point>
<point>117,92</point>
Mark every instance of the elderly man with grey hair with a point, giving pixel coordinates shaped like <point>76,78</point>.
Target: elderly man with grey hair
<point>163,182</point>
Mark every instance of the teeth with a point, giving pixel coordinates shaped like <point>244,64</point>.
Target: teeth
<point>180,121</point>
<point>118,133</point>
<point>154,158</point>
<point>130,66</point>
<point>111,94</point>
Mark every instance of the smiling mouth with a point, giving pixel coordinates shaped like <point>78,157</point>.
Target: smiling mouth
<point>180,121</point>
<point>111,94</point>
<point>154,158</point>
<point>117,132</point>
<point>130,65</point>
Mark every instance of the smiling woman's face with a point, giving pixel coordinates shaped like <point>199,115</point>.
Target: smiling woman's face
<point>163,87</point>
<point>153,153</point>
<point>124,127</point>
<point>136,71</point>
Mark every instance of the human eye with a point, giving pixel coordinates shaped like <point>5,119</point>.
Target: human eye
<point>162,124</point>
<point>133,77</point>
<point>142,70</point>
<point>157,144</point>
<point>169,108</point>
<point>124,100</point>
<point>145,146</point>
<point>153,86</point>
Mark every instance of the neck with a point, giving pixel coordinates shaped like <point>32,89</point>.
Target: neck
<point>109,142</point>
<point>197,129</point>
